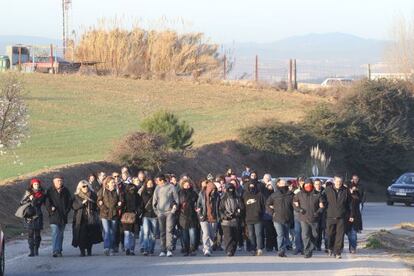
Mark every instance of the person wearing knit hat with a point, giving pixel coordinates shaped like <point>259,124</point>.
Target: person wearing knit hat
<point>35,195</point>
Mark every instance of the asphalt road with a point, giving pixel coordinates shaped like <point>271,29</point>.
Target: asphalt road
<point>367,262</point>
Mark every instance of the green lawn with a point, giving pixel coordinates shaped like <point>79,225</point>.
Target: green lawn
<point>78,118</point>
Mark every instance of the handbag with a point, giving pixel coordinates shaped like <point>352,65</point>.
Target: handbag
<point>21,211</point>
<point>128,218</point>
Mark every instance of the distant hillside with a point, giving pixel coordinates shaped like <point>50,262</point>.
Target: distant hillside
<point>331,54</point>
<point>29,40</point>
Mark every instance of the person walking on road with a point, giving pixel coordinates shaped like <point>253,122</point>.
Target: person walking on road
<point>187,217</point>
<point>208,213</point>
<point>59,204</point>
<point>109,203</point>
<point>131,210</point>
<point>280,205</point>
<point>149,218</point>
<point>354,227</point>
<point>309,205</point>
<point>254,204</point>
<point>86,229</point>
<point>165,204</point>
<point>36,197</point>
<point>338,214</point>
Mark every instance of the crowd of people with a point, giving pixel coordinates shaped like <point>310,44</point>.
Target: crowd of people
<point>227,212</point>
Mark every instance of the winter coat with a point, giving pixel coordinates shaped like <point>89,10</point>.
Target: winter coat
<point>36,222</point>
<point>214,198</point>
<point>109,209</point>
<point>62,201</point>
<point>267,215</point>
<point>280,205</point>
<point>85,218</point>
<point>132,203</point>
<point>338,203</point>
<point>354,208</point>
<point>146,196</point>
<point>231,209</point>
<point>254,204</point>
<point>187,205</point>
<point>309,209</point>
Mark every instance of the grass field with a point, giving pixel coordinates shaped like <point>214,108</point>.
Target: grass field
<point>78,118</point>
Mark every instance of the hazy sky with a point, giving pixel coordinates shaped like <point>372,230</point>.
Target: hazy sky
<point>221,20</point>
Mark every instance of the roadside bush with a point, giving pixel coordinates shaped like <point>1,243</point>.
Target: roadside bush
<point>141,150</point>
<point>369,132</point>
<point>166,124</point>
<point>284,140</point>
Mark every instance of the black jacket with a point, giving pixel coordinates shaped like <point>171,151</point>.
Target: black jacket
<point>132,203</point>
<point>62,201</point>
<point>338,203</point>
<point>254,204</point>
<point>309,210</point>
<point>355,211</point>
<point>35,222</point>
<point>148,210</point>
<point>231,209</point>
<point>280,205</point>
<point>187,205</point>
<point>85,218</point>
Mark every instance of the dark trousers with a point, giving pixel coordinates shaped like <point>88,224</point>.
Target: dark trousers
<point>309,236</point>
<point>119,236</point>
<point>269,235</point>
<point>321,235</point>
<point>33,238</point>
<point>336,231</point>
<point>231,237</point>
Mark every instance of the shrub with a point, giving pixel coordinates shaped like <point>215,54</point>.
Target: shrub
<point>177,134</point>
<point>141,150</point>
<point>283,140</point>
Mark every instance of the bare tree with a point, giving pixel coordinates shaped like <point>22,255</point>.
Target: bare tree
<point>13,113</point>
<point>400,52</point>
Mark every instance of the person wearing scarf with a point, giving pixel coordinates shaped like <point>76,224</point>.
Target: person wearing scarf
<point>188,217</point>
<point>86,228</point>
<point>34,224</point>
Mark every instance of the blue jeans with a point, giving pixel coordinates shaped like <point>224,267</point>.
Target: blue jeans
<point>149,230</point>
<point>57,237</point>
<point>256,236</point>
<point>282,230</point>
<point>352,238</point>
<point>298,236</point>
<point>208,230</point>
<point>129,240</point>
<point>110,228</point>
<point>189,239</point>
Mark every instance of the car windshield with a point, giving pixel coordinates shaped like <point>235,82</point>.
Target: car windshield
<point>406,179</point>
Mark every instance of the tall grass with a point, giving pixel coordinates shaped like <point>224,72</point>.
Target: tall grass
<point>141,53</point>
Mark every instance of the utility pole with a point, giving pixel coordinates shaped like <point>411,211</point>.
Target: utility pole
<point>256,67</point>
<point>65,23</point>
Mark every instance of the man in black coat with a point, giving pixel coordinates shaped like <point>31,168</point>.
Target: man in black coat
<point>337,215</point>
<point>310,205</point>
<point>254,204</point>
<point>59,204</point>
<point>280,205</point>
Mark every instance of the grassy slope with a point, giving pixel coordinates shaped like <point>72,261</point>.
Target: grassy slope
<point>77,118</point>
